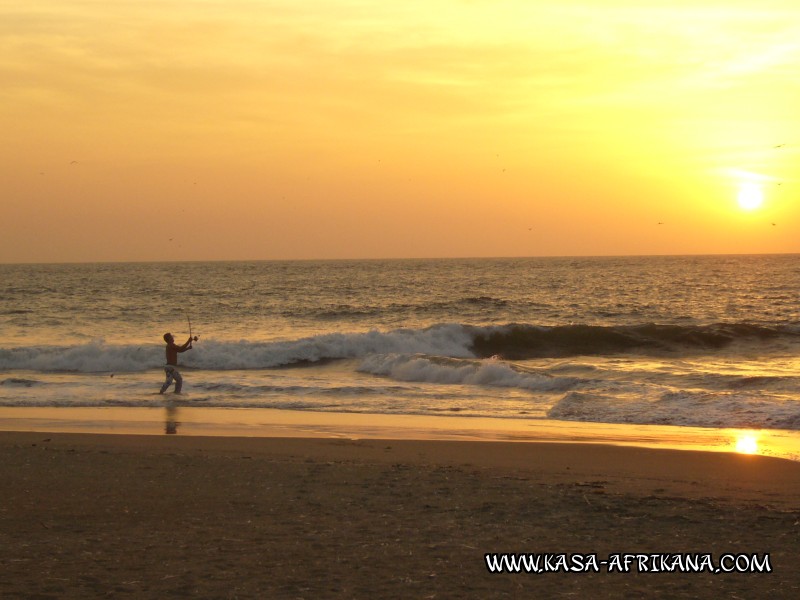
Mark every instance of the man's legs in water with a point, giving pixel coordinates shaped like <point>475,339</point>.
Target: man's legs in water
<point>171,373</point>
<point>178,381</point>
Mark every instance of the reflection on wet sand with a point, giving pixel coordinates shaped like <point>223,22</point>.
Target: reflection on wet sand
<point>170,417</point>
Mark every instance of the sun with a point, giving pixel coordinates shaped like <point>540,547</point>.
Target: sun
<point>750,196</point>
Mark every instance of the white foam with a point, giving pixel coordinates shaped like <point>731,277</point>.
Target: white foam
<point>93,357</point>
<point>486,373</point>
<point>97,356</point>
<point>683,408</point>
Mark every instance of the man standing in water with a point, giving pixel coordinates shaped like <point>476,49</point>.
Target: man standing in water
<point>171,369</point>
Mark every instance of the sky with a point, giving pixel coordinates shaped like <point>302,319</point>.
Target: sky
<point>140,130</point>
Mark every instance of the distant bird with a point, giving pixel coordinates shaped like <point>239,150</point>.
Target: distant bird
<point>660,223</point>
<point>773,224</point>
<point>73,162</point>
<point>779,146</point>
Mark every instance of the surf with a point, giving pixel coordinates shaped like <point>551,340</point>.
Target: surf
<point>508,342</point>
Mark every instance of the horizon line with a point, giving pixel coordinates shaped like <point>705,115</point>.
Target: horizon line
<point>377,259</point>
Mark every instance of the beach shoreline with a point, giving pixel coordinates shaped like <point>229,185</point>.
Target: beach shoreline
<point>183,420</point>
<point>88,515</point>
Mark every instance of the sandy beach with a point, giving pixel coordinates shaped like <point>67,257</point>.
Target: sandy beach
<point>92,515</point>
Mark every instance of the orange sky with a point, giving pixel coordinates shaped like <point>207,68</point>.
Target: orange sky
<point>249,129</point>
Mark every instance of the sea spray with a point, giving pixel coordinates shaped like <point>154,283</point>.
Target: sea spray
<point>465,372</point>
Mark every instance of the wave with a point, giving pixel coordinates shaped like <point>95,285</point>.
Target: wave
<point>468,304</point>
<point>19,382</point>
<point>509,342</point>
<point>428,369</point>
<point>517,342</point>
<point>97,356</point>
<point>684,408</point>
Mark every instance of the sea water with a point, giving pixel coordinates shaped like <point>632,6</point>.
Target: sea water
<point>706,341</point>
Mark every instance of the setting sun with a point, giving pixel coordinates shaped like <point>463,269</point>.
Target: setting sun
<point>393,129</point>
<point>750,196</point>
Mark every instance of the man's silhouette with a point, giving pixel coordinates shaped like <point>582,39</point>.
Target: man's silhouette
<point>171,369</point>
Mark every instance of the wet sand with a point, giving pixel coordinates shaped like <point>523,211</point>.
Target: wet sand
<point>266,422</point>
<point>92,515</point>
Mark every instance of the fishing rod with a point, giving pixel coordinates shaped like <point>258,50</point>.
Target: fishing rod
<point>191,337</point>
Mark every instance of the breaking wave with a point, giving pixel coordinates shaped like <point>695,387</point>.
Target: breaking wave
<point>428,369</point>
<point>518,342</point>
<point>510,342</point>
<point>443,340</point>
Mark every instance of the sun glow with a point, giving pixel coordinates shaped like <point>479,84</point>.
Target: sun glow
<point>747,444</point>
<point>540,129</point>
<point>750,196</point>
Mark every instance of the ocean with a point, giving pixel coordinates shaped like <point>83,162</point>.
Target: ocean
<point>703,341</point>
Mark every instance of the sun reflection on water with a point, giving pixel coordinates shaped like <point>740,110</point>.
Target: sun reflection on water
<point>747,443</point>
